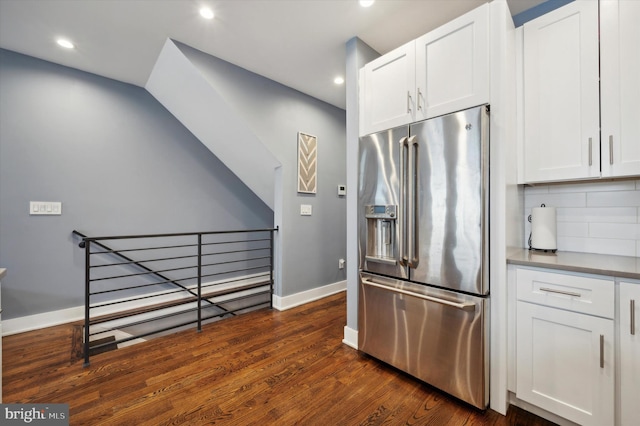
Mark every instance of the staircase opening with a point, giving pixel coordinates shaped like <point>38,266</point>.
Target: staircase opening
<point>143,286</point>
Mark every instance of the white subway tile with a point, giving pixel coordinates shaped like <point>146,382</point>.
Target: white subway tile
<point>625,231</point>
<point>598,214</point>
<point>572,229</point>
<point>637,249</point>
<point>543,189</point>
<point>556,200</point>
<point>598,245</point>
<point>626,185</point>
<point>614,199</point>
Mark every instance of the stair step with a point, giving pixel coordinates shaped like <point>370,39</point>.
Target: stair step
<point>173,303</point>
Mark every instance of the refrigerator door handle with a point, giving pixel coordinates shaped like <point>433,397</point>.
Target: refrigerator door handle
<point>412,205</point>
<point>402,214</point>
<point>468,306</point>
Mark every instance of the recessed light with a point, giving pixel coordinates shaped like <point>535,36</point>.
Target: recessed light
<point>65,43</point>
<point>338,80</point>
<point>206,13</point>
<point>366,3</point>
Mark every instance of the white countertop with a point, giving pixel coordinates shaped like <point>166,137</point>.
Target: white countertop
<point>589,263</point>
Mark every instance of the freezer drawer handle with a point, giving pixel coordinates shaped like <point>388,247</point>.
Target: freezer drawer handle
<point>470,307</point>
<point>566,293</point>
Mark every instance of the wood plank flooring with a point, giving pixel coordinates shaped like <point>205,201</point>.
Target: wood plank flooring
<point>263,368</point>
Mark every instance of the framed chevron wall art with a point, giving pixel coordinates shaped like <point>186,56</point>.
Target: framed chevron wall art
<point>307,163</point>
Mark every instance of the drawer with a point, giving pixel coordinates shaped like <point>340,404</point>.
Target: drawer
<point>586,294</point>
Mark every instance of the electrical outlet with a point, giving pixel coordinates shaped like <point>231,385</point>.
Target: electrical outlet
<point>341,263</point>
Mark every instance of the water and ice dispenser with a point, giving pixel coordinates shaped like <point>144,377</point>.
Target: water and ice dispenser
<point>381,233</point>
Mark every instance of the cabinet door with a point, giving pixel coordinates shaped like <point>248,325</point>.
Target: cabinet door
<point>561,94</point>
<point>387,91</point>
<point>452,65</point>
<point>565,363</point>
<point>620,73</point>
<point>629,353</point>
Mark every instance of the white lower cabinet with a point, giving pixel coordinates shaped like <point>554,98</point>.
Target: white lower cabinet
<point>566,363</point>
<point>565,345</point>
<point>629,353</point>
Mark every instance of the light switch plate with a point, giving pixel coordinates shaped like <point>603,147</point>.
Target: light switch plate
<point>305,209</point>
<point>39,208</point>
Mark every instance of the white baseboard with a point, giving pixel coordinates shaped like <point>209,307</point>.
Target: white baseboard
<point>63,316</point>
<point>297,299</point>
<point>38,321</point>
<point>350,337</point>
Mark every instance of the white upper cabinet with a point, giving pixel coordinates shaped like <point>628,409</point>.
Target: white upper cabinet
<point>387,90</point>
<point>452,65</point>
<point>443,71</point>
<point>561,94</point>
<point>620,87</point>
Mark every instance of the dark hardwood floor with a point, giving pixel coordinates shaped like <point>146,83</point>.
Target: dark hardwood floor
<point>263,368</point>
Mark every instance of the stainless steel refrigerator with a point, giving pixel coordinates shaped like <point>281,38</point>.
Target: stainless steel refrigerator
<point>424,249</point>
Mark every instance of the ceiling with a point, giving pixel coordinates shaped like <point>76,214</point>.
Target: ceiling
<point>299,43</point>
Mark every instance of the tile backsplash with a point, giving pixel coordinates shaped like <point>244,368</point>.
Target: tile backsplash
<point>600,217</point>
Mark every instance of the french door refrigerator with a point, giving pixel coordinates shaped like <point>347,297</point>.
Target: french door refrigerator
<point>423,248</point>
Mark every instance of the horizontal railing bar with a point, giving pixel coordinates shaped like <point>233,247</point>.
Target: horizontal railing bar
<point>143,248</point>
<point>138,262</point>
<point>236,241</point>
<point>180,246</point>
<point>140,273</point>
<point>177,234</point>
<point>236,261</point>
<point>236,270</point>
<point>234,251</point>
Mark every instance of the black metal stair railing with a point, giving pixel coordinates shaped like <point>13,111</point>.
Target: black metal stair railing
<point>166,282</point>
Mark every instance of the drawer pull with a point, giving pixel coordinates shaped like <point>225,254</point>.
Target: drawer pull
<point>590,153</point>
<point>610,149</point>
<point>602,351</point>
<point>632,306</point>
<point>566,293</point>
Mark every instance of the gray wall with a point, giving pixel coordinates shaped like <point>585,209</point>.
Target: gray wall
<point>311,245</point>
<point>118,162</point>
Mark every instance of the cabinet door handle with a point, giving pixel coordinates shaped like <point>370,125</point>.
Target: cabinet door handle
<point>602,351</point>
<point>566,293</point>
<point>610,149</point>
<point>408,102</point>
<point>590,151</point>
<point>419,96</point>
<point>632,307</point>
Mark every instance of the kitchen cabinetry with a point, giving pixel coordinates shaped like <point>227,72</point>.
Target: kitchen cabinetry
<point>620,87</point>
<point>565,345</point>
<point>387,90</point>
<point>452,65</point>
<point>444,71</point>
<point>629,389</point>
<point>561,94</point>
<point>565,66</point>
